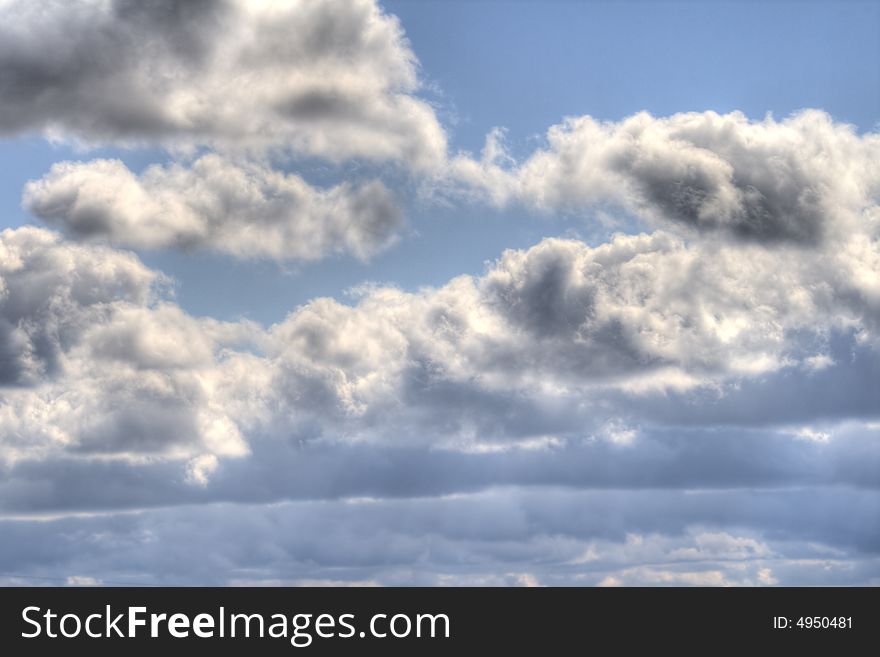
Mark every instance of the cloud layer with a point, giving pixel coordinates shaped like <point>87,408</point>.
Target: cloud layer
<point>500,537</point>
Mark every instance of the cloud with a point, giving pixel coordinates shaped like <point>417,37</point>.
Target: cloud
<point>644,312</point>
<point>499,536</point>
<point>543,337</point>
<point>251,83</point>
<point>802,180</point>
<point>495,414</point>
<point>561,341</point>
<point>52,291</point>
<point>96,363</point>
<point>692,406</point>
<point>244,209</point>
<point>297,465</point>
<point>336,80</point>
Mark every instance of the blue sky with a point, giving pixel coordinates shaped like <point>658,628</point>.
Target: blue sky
<point>278,302</point>
<point>524,65</point>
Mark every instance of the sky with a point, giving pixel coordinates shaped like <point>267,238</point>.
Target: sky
<point>440,293</point>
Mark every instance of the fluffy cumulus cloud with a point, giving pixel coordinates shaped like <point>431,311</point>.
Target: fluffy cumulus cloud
<point>800,180</point>
<point>638,313</point>
<point>52,292</point>
<point>543,342</point>
<point>245,209</point>
<point>95,364</point>
<point>330,79</point>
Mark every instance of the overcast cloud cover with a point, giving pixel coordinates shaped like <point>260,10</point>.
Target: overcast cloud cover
<point>693,399</point>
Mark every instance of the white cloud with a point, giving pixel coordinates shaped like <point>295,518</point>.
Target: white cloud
<point>651,576</point>
<point>245,209</point>
<point>803,179</point>
<point>818,362</point>
<point>811,435</point>
<point>200,468</point>
<point>564,315</point>
<point>52,291</point>
<point>98,365</point>
<point>254,83</point>
<point>618,433</point>
<point>331,79</point>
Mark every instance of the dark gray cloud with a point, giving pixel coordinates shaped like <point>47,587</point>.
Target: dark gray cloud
<point>309,465</point>
<point>847,387</point>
